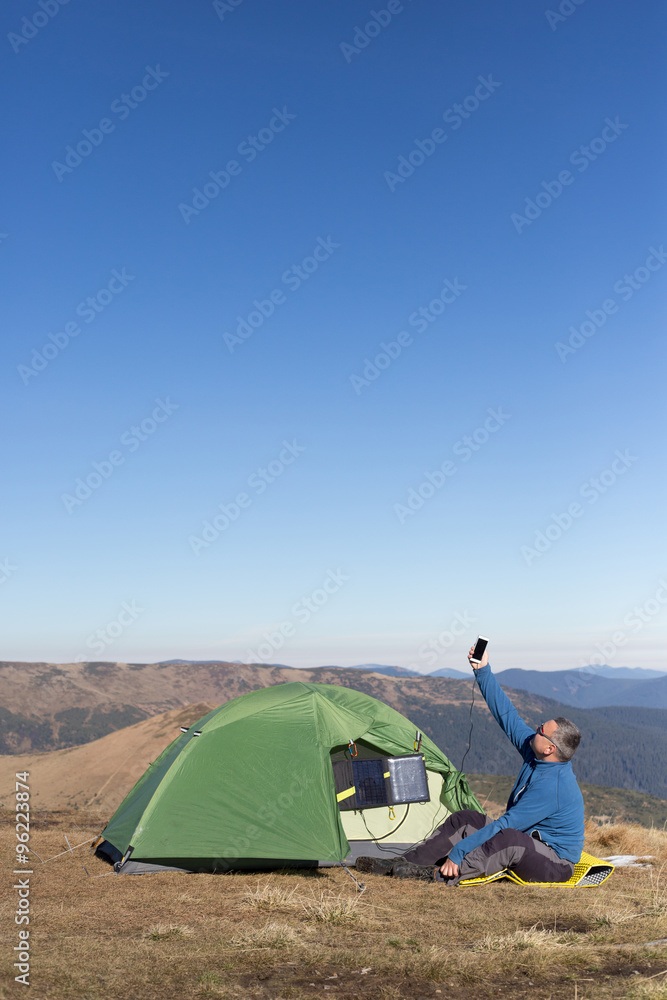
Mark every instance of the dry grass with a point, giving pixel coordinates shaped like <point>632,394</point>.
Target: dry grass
<point>334,908</point>
<point>649,989</point>
<point>158,932</point>
<point>271,897</point>
<point>626,838</point>
<point>325,907</point>
<point>524,940</point>
<point>301,935</point>
<point>271,935</point>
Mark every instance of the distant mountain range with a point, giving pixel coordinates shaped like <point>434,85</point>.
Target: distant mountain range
<point>585,687</point>
<point>450,672</point>
<point>635,673</point>
<point>46,707</point>
<point>590,690</point>
<point>405,672</point>
<point>546,681</point>
<point>378,668</point>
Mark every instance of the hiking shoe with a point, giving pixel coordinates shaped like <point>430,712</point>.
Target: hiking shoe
<point>375,866</point>
<point>406,869</point>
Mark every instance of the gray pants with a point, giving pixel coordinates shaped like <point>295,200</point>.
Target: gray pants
<point>532,860</point>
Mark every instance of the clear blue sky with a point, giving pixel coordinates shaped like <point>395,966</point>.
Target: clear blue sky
<point>494,166</point>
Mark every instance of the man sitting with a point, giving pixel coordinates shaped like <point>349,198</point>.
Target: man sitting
<point>540,835</point>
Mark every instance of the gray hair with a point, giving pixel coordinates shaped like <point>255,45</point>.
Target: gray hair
<point>568,737</point>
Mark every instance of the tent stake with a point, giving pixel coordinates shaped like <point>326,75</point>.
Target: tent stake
<point>361,886</point>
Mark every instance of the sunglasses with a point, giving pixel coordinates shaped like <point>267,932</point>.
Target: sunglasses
<point>540,732</point>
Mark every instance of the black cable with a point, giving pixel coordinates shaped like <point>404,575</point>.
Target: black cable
<point>474,682</point>
<point>389,850</point>
<point>378,839</point>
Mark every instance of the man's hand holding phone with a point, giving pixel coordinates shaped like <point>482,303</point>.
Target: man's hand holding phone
<point>478,656</point>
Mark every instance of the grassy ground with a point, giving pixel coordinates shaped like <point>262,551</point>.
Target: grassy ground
<point>299,935</point>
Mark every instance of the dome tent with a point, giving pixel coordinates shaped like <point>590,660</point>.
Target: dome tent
<point>251,786</point>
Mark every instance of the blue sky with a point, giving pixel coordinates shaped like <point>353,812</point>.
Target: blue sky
<point>334,336</point>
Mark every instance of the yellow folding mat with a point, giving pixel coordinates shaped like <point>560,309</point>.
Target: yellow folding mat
<point>588,871</point>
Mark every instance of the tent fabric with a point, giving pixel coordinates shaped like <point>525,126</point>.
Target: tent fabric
<point>251,784</point>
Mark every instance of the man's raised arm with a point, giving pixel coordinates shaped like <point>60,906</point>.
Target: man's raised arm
<point>499,704</point>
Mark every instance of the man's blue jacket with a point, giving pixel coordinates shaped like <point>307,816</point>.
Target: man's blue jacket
<point>546,796</point>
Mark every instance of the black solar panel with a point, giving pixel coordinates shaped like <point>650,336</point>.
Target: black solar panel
<point>378,781</point>
<point>369,782</point>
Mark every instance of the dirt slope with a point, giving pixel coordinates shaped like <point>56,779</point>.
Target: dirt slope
<point>52,706</point>
<point>97,775</point>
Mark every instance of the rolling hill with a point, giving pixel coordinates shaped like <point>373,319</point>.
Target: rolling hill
<point>49,707</point>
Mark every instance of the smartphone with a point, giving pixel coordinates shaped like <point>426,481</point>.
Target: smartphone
<point>480,648</point>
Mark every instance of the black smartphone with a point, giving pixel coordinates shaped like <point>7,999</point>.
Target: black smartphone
<point>480,648</point>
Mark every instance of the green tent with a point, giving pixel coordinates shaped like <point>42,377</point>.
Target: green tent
<point>251,786</point>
